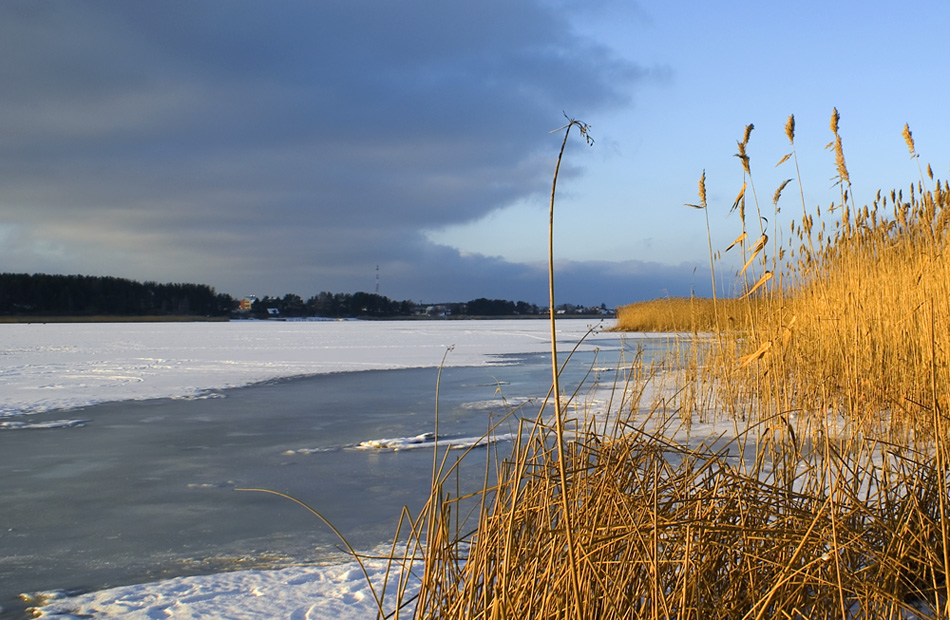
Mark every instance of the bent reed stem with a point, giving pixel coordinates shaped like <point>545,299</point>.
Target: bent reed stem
<point>558,409</point>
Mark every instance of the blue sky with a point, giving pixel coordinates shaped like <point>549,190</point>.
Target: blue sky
<point>291,147</point>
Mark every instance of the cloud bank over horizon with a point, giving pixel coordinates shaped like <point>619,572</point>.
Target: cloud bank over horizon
<point>267,149</point>
<point>293,149</point>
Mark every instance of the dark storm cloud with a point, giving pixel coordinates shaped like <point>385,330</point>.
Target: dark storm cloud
<point>287,146</point>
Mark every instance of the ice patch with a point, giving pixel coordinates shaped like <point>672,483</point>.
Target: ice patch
<point>306,451</point>
<point>428,440</point>
<point>415,442</point>
<point>207,395</point>
<point>507,404</point>
<point>11,425</point>
<point>399,443</point>
<point>230,484</point>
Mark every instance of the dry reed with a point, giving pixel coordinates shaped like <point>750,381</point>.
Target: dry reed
<point>682,314</point>
<point>827,499</point>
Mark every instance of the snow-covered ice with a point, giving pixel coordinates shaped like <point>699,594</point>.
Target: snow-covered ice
<point>46,367</point>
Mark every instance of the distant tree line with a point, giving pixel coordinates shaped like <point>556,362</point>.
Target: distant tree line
<point>74,295</point>
<point>484,307</point>
<point>349,305</point>
<point>340,305</point>
<point>334,305</point>
<point>503,307</point>
<point>499,307</point>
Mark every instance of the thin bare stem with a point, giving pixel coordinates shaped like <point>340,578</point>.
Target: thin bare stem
<point>558,410</point>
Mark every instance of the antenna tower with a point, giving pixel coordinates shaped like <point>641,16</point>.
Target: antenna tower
<point>377,279</point>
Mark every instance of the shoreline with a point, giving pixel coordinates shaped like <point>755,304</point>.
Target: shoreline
<point>32,319</point>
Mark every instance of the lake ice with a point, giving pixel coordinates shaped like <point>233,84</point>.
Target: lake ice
<point>122,444</point>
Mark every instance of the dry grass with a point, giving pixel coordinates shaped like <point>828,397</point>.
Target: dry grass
<point>827,498</point>
<point>670,532</point>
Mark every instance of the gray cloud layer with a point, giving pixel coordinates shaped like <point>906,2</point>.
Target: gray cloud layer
<point>291,147</point>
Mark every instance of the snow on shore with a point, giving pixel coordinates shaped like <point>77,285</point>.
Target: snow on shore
<point>306,592</point>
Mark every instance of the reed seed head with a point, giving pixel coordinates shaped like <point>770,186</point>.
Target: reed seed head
<point>839,161</point>
<point>835,117</point>
<point>748,132</point>
<point>790,128</point>
<point>909,139</point>
<point>702,189</point>
<point>743,157</point>
<point>778,192</point>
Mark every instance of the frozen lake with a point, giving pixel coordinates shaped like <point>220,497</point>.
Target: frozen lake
<point>122,444</point>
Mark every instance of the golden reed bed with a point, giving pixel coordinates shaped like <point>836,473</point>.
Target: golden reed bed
<point>823,490</point>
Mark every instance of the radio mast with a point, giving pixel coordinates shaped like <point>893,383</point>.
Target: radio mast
<point>377,279</point>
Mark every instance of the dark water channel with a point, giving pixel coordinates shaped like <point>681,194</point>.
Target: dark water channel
<point>145,490</point>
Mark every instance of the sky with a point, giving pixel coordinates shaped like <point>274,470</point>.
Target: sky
<point>299,146</point>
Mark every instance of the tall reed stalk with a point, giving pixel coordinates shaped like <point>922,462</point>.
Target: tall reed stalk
<point>555,372</point>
